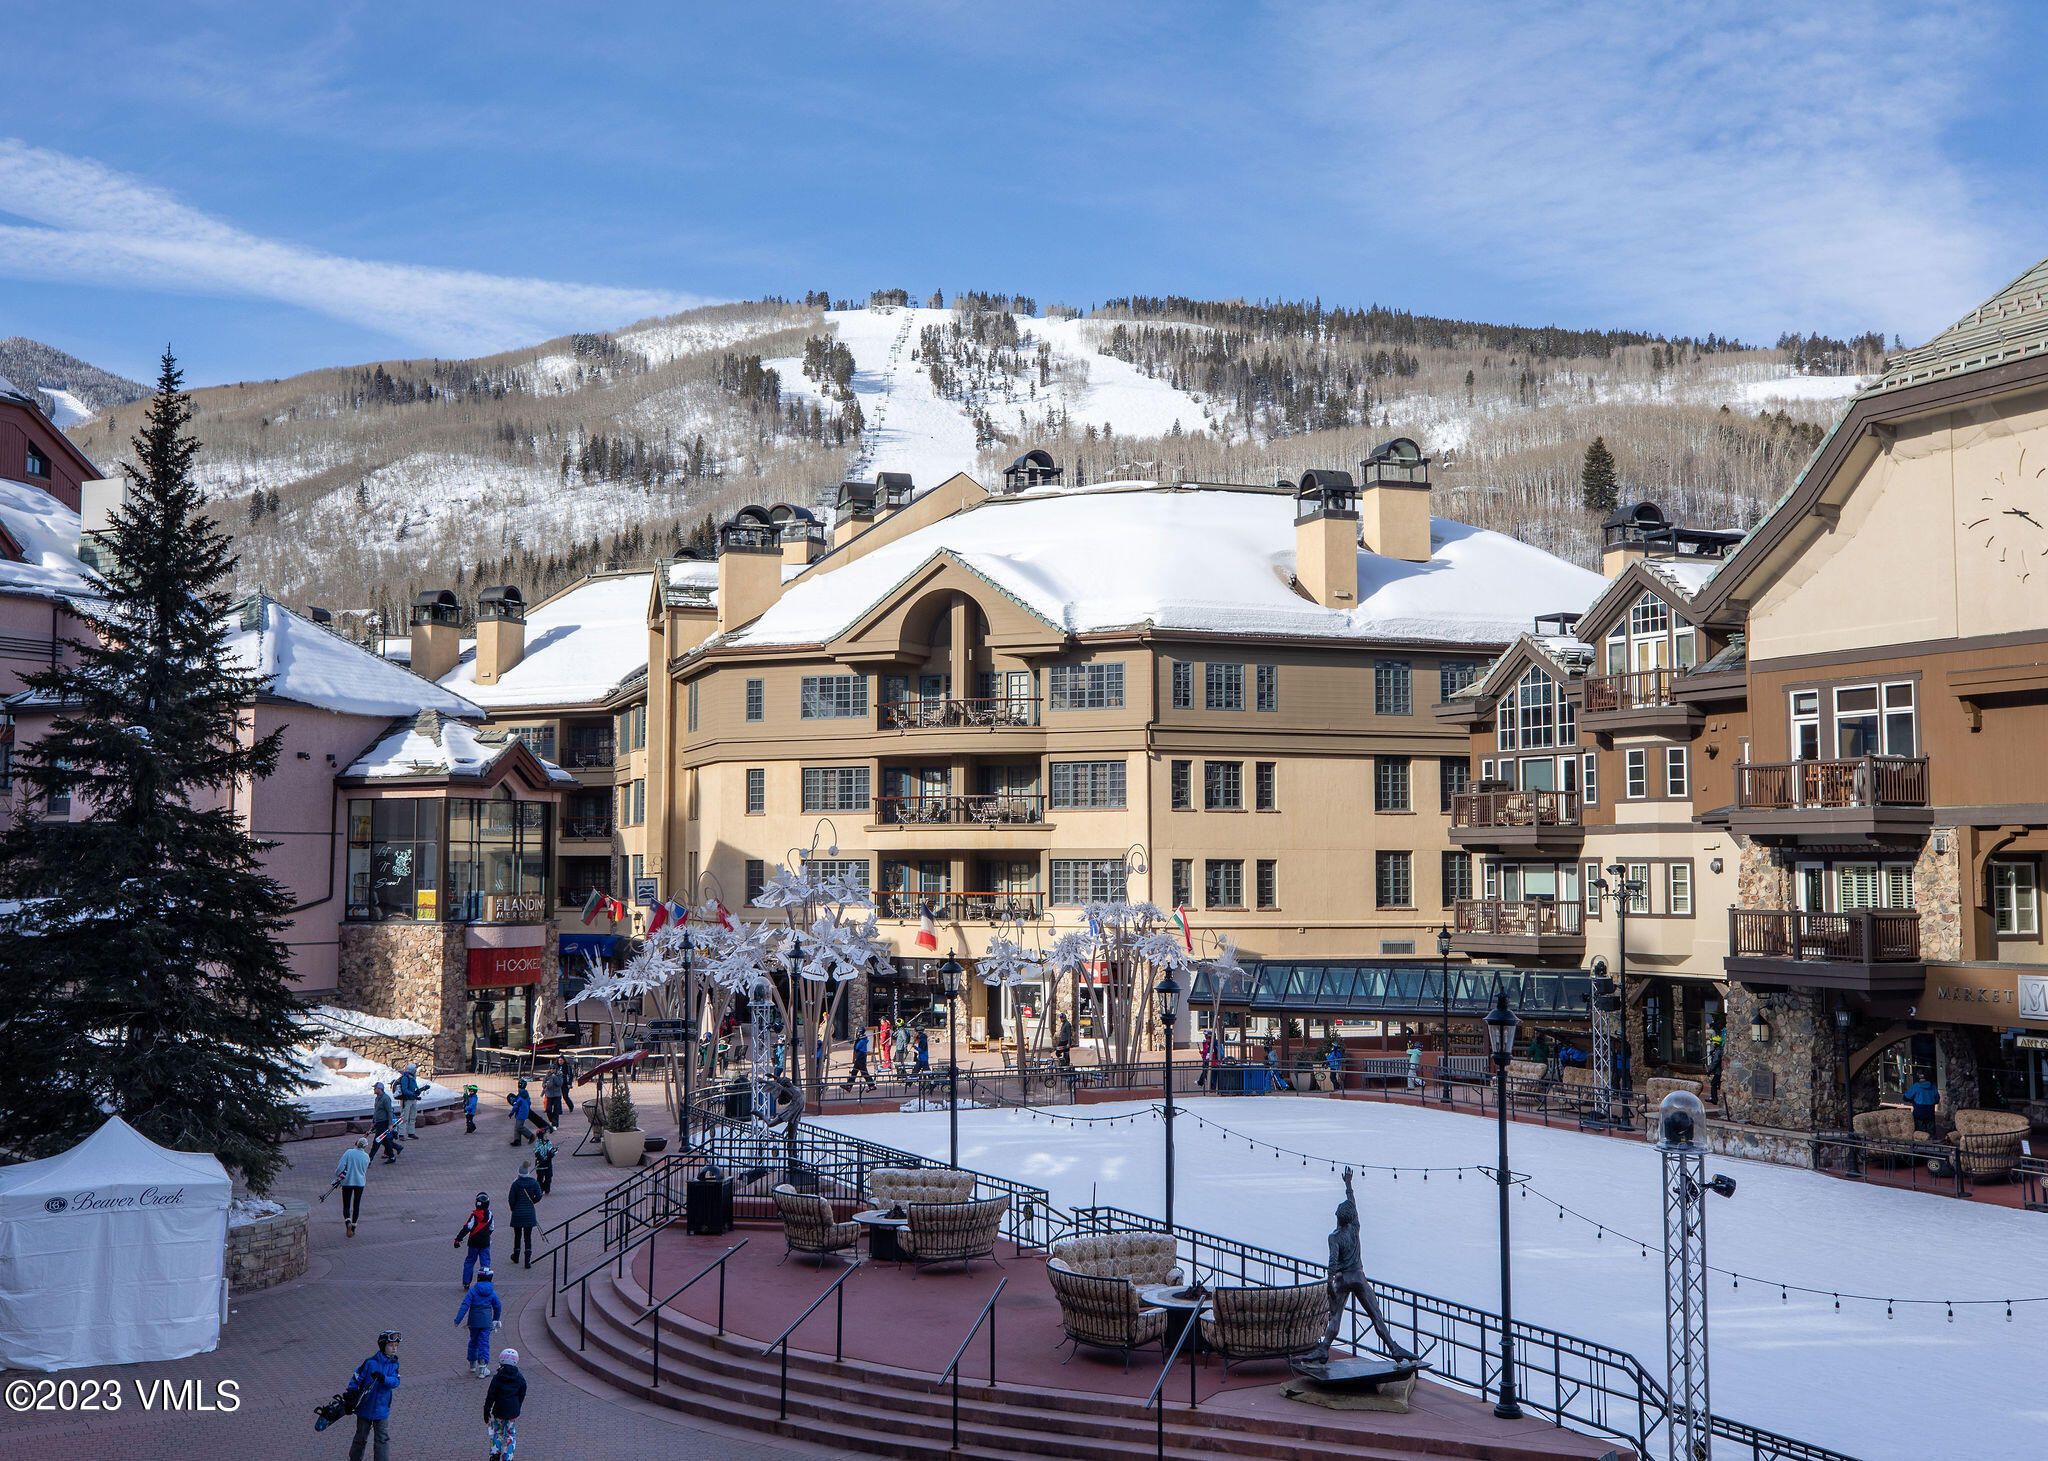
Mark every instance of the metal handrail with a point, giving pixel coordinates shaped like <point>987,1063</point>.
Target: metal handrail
<point>988,1312</point>
<point>654,1310</point>
<point>582,1283</point>
<point>1158,1386</point>
<point>781,1340</point>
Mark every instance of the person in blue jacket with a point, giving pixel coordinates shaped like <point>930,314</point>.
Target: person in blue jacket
<point>523,1112</point>
<point>482,1311</point>
<point>375,1378</point>
<point>408,1101</point>
<point>469,1110</point>
<point>1925,1100</point>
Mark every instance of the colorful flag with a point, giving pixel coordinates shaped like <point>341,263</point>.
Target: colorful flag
<point>724,918</point>
<point>1185,937</point>
<point>656,917</point>
<point>595,901</point>
<point>677,913</point>
<point>927,930</point>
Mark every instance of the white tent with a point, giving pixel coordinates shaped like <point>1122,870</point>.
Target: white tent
<point>111,1253</point>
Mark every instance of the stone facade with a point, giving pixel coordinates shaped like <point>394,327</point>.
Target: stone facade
<point>411,971</point>
<point>1793,1079</point>
<point>270,1250</point>
<point>1938,894</point>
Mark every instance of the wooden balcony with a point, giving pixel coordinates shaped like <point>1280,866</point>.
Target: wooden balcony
<point>1816,801</point>
<point>1535,926</point>
<point>1517,821</point>
<point>1000,713</point>
<point>996,907</point>
<point>1869,951</point>
<point>1006,809</point>
<point>1638,700</point>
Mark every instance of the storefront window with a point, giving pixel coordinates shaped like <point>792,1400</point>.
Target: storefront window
<point>499,1019</point>
<point>393,861</point>
<point>496,850</point>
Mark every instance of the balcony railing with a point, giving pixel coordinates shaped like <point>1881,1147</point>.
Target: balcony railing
<point>1866,781</point>
<point>1866,936</point>
<point>1532,918</point>
<point>1636,690</point>
<point>962,907</point>
<point>1515,809</point>
<point>587,827</point>
<point>1004,809</point>
<point>934,713</point>
<point>580,757</point>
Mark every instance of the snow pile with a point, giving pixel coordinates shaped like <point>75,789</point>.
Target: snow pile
<point>1855,1379</point>
<point>245,1210</point>
<point>317,667</point>
<point>579,645</point>
<point>350,1090</point>
<point>47,533</point>
<point>356,1022</point>
<point>429,746</point>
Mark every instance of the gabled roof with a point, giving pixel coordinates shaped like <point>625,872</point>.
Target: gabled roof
<point>2010,325</point>
<point>310,665</point>
<point>1563,658</point>
<point>1675,580</point>
<point>430,747</point>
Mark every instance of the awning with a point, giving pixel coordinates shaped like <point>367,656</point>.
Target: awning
<point>603,945</point>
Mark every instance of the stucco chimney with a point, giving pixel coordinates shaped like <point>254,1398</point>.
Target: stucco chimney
<point>1393,500</point>
<point>803,536</point>
<point>1326,539</point>
<point>1624,536</point>
<point>853,513</point>
<point>749,567</point>
<point>500,632</point>
<point>436,633</point>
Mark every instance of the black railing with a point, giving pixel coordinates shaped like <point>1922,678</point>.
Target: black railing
<point>587,827</point>
<point>653,1310</point>
<point>988,809</point>
<point>781,1340</point>
<point>934,713</point>
<point>993,907</point>
<point>585,757</point>
<point>988,1313</point>
<point>1157,1397</point>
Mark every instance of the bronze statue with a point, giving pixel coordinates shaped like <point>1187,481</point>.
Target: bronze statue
<point>789,1110</point>
<point>1347,1281</point>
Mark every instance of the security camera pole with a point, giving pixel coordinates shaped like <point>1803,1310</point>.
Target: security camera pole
<point>1690,1419</point>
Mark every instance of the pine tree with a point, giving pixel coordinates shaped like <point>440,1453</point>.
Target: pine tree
<point>1597,477</point>
<point>143,967</point>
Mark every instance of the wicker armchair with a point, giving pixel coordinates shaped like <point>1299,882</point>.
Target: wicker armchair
<point>1988,1142</point>
<point>889,1186</point>
<point>807,1225</point>
<point>1266,1324</point>
<point>953,1232</point>
<point>1135,1257</point>
<point>1103,1313</point>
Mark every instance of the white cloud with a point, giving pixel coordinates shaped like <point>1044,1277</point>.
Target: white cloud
<point>1742,166</point>
<point>99,226</point>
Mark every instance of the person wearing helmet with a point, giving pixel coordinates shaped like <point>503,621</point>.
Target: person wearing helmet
<point>476,1229</point>
<point>374,1381</point>
<point>481,1310</point>
<point>502,1403</point>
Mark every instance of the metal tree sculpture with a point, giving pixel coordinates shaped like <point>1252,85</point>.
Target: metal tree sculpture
<point>829,937</point>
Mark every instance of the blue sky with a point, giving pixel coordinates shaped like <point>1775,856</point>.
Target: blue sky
<point>274,188</point>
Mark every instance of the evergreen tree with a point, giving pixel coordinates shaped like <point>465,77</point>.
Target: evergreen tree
<point>1597,477</point>
<point>143,968</point>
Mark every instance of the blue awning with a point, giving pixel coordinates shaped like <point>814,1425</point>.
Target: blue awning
<point>575,945</point>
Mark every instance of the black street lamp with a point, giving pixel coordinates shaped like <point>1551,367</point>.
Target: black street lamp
<point>1501,1025</point>
<point>689,1033</point>
<point>950,972</point>
<point>1627,890</point>
<point>1168,992</point>
<point>1443,953</point>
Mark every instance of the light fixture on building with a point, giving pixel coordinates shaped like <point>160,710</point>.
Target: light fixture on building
<point>1714,865</point>
<point>1759,1028</point>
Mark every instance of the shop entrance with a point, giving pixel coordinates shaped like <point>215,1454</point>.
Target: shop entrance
<point>499,1017</point>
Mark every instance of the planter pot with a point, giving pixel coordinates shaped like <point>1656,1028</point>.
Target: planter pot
<point>625,1148</point>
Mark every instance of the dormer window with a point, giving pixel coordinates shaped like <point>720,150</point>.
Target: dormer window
<point>38,463</point>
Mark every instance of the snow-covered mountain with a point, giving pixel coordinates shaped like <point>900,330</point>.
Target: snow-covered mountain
<point>68,388</point>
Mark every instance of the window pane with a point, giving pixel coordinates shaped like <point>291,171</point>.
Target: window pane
<point>1269,687</point>
<point>1183,685</point>
<point>1393,690</point>
<point>1224,687</point>
<point>1264,786</point>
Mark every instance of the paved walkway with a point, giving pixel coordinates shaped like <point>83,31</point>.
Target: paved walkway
<point>291,1347</point>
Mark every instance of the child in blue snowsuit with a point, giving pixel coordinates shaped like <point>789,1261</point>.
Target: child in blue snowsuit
<point>469,1110</point>
<point>480,1307</point>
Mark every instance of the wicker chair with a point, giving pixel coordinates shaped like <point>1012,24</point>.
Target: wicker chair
<point>889,1186</point>
<point>1104,1313</point>
<point>953,1232</point>
<point>1988,1142</point>
<point>807,1224</point>
<point>1135,1257</point>
<point>1267,1324</point>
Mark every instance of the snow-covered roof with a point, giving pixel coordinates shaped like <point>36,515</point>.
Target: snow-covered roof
<point>1123,555</point>
<point>47,533</point>
<point>1687,575</point>
<point>397,648</point>
<point>429,745</point>
<point>317,667</point>
<point>580,645</point>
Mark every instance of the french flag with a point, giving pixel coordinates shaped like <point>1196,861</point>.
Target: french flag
<point>927,931</point>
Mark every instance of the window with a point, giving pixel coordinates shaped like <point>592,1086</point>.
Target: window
<point>835,788</point>
<point>640,802</point>
<point>495,848</point>
<point>1223,884</point>
<point>1390,784</point>
<point>38,463</point>
<point>1591,883</point>
<point>832,869</point>
<point>1394,879</point>
<point>539,739</point>
<point>1223,687</point>
<point>1453,675</point>
<point>1457,877</point>
<point>1087,783</point>
<point>1529,712</point>
<point>1638,765</point>
<point>1183,685</point>
<point>1180,776</point>
<point>832,697</point>
<point>1269,687</point>
<point>1266,885</point>
<point>1092,880</point>
<point>1805,725</point>
<point>757,790</point>
<point>2015,903</point>
<point>1454,777</point>
<point>394,861</point>
<point>1486,771</point>
<point>1674,772</point>
<point>1088,687</point>
<point>1265,796</point>
<point>1183,881</point>
<point>636,728</point>
<point>756,701</point>
<point>639,866</point>
<point>757,878</point>
<point>1592,780</point>
<point>1223,786</point>
<point>1874,720</point>
<point>1393,687</point>
<point>1898,885</point>
<point>1678,890</point>
<point>693,704</point>
<point>1648,615</point>
<point>1638,890</point>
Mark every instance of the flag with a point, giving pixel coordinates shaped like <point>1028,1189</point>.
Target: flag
<point>656,917</point>
<point>724,918</point>
<point>927,930</point>
<point>677,913</point>
<point>615,910</point>
<point>1185,937</point>
<point>595,901</point>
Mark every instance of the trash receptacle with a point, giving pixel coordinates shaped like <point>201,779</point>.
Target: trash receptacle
<point>739,1104</point>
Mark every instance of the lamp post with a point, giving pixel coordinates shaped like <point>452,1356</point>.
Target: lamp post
<point>1443,954</point>
<point>1501,1025</point>
<point>689,1032</point>
<point>950,972</point>
<point>1168,992</point>
<point>1689,1421</point>
<point>1627,893</point>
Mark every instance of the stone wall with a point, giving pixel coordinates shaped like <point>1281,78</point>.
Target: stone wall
<point>270,1250</point>
<point>1938,894</point>
<point>1791,1080</point>
<point>411,971</point>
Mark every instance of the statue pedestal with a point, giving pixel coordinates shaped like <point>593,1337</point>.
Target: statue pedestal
<point>1354,1384</point>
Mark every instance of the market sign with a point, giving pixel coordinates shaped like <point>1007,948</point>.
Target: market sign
<point>1970,996</point>
<point>2034,996</point>
<point>502,968</point>
<point>515,908</point>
